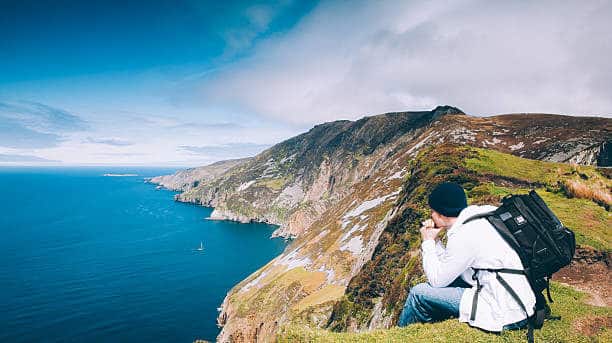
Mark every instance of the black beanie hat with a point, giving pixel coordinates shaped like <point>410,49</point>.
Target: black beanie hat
<point>448,199</point>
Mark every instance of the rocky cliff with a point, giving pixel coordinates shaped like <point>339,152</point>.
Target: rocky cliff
<point>350,193</point>
<point>294,182</point>
<point>186,179</point>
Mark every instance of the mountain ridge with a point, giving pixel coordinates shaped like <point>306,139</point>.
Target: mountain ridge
<point>298,160</point>
<point>582,149</point>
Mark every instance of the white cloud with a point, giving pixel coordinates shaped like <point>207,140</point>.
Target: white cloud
<point>342,60</point>
<point>18,159</point>
<point>108,141</point>
<point>256,20</point>
<point>225,151</point>
<point>347,59</point>
<point>28,124</point>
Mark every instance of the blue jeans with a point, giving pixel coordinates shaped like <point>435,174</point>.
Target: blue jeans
<point>428,304</point>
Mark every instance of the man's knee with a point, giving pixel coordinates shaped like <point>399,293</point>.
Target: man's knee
<point>414,309</point>
<point>420,290</point>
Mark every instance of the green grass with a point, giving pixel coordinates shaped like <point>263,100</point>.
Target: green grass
<point>487,189</point>
<point>501,164</point>
<point>327,293</point>
<point>569,304</point>
<point>590,222</point>
<point>275,184</point>
<point>284,282</point>
<point>491,162</point>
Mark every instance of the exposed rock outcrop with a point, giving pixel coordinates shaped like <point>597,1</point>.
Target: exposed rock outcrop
<point>186,179</point>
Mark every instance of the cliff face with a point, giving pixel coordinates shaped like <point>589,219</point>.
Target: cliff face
<point>294,182</point>
<point>186,179</point>
<point>350,194</point>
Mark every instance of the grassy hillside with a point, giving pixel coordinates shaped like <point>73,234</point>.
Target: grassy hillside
<point>579,195</point>
<point>579,323</point>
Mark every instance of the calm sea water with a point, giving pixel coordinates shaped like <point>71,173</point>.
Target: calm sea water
<point>88,258</point>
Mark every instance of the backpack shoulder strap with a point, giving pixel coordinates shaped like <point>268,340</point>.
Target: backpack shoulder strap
<point>521,304</point>
<point>478,216</point>
<point>503,230</point>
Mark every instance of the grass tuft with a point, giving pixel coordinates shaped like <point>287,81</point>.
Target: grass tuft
<point>598,193</point>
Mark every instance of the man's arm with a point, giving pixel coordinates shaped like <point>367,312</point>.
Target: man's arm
<point>442,269</point>
<point>439,248</point>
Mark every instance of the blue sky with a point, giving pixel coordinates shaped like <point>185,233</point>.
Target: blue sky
<point>187,83</point>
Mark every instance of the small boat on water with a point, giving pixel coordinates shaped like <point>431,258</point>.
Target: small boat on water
<point>201,248</point>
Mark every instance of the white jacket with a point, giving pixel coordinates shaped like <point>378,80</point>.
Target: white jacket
<point>477,245</point>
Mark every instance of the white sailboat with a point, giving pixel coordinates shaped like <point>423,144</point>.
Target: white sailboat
<point>201,248</point>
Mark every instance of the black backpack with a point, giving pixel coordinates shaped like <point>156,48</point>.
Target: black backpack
<point>543,244</point>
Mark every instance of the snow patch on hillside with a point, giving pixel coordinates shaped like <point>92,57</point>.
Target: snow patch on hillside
<point>517,146</point>
<point>292,260</point>
<point>353,229</point>
<point>540,141</point>
<point>330,273</point>
<point>418,145</point>
<point>244,186</point>
<point>355,245</point>
<point>368,205</point>
<point>254,282</point>
<point>397,175</point>
<point>290,195</point>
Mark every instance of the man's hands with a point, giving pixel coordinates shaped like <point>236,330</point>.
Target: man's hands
<point>428,230</point>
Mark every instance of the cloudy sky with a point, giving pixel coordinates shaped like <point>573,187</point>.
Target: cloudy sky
<point>188,82</point>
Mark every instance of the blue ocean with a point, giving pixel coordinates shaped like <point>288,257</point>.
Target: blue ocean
<point>92,258</point>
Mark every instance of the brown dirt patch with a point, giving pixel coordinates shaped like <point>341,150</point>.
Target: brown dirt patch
<point>590,273</point>
<point>592,325</point>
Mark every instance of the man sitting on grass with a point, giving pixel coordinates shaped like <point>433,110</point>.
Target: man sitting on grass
<point>451,281</point>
